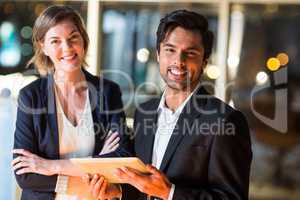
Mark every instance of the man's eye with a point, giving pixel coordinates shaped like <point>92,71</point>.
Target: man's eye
<point>192,54</point>
<point>169,50</point>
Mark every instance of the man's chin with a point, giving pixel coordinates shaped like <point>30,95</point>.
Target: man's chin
<point>177,86</point>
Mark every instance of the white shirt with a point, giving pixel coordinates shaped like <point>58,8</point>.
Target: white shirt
<point>166,122</point>
<point>74,141</point>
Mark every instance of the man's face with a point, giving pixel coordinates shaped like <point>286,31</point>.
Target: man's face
<point>181,59</point>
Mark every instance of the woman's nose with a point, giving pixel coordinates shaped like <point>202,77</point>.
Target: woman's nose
<point>66,45</point>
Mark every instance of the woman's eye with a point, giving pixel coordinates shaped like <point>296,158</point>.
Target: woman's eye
<point>75,37</point>
<point>54,41</point>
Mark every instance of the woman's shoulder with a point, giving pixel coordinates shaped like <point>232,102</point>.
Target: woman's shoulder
<point>102,82</point>
<point>35,86</point>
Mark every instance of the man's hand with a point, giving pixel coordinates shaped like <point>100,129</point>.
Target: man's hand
<point>156,184</point>
<point>100,188</point>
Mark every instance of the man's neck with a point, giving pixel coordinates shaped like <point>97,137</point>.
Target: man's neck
<point>174,97</point>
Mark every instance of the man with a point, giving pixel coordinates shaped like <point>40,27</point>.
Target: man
<point>198,145</point>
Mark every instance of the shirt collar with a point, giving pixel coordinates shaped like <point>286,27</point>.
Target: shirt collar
<point>162,104</point>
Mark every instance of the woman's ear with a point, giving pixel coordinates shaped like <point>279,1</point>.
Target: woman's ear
<point>42,46</point>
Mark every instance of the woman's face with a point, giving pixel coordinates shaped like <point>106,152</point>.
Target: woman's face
<point>64,45</point>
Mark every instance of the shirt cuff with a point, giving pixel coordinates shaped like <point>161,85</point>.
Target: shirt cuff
<point>171,192</point>
<point>61,184</point>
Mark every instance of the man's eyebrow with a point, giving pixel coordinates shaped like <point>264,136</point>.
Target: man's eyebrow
<point>194,48</point>
<point>168,45</point>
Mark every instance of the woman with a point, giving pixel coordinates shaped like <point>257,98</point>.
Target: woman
<point>65,114</point>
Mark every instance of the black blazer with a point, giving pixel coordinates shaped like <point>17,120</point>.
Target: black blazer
<point>209,153</point>
<point>37,129</point>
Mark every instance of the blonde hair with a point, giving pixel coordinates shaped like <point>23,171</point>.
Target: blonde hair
<point>49,18</point>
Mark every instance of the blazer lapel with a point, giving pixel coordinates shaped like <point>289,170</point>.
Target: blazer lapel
<point>185,120</point>
<point>96,98</point>
<point>149,134</point>
<point>49,101</point>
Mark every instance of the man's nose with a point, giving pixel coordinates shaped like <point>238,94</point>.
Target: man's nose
<point>180,60</point>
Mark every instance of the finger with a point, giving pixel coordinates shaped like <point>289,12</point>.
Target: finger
<point>108,135</point>
<point>16,160</point>
<point>134,175</point>
<point>22,152</point>
<point>20,159</point>
<point>124,177</point>
<point>121,175</point>
<point>114,148</point>
<point>93,182</point>
<point>86,178</point>
<point>111,137</point>
<point>97,188</point>
<point>152,170</point>
<point>103,190</point>
<point>24,171</point>
<point>20,165</point>
<point>114,142</point>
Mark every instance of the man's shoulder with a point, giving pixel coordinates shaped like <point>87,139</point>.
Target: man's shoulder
<point>151,104</point>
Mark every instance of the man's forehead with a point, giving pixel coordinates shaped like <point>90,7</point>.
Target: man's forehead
<point>180,35</point>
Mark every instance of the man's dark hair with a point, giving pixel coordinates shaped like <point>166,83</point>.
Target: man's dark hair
<point>190,21</point>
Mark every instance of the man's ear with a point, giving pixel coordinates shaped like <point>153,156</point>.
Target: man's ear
<point>205,61</point>
<point>204,65</point>
<point>157,56</point>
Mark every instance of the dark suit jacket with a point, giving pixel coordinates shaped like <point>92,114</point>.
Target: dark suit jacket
<point>209,153</point>
<point>37,129</point>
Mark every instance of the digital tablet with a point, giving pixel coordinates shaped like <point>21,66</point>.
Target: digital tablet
<point>107,166</point>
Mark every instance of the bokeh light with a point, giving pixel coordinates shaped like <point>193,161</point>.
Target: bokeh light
<point>213,72</point>
<point>261,78</point>
<point>6,30</point>
<point>273,64</point>
<point>39,8</point>
<point>143,55</point>
<point>26,32</point>
<point>283,58</point>
<point>26,49</point>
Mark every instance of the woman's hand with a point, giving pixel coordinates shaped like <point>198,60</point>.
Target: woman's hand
<point>111,143</point>
<point>100,188</point>
<point>27,162</point>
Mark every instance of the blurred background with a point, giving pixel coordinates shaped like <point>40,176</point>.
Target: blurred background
<point>255,67</point>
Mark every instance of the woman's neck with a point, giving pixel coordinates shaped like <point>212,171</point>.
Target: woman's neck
<point>69,81</point>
